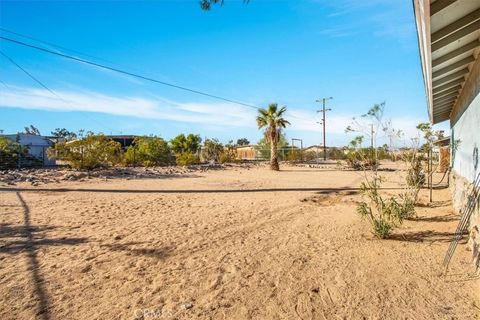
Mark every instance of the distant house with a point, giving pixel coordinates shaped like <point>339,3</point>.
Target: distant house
<point>317,149</point>
<point>247,152</point>
<point>448,38</point>
<point>37,146</point>
<point>124,140</point>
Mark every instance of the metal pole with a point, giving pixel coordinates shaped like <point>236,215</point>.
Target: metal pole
<point>324,138</point>
<point>431,173</point>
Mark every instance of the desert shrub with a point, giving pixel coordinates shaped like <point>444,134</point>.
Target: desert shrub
<point>229,155</point>
<point>212,150</point>
<point>186,144</point>
<point>309,156</point>
<point>148,151</point>
<point>88,153</point>
<point>294,156</point>
<point>336,154</point>
<point>415,174</point>
<point>187,158</point>
<point>359,159</point>
<point>384,214</point>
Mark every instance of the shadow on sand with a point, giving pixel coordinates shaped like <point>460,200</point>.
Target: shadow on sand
<point>134,248</point>
<point>423,236</point>
<point>30,244</point>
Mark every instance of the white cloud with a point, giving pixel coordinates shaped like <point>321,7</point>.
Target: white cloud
<point>212,115</point>
<point>138,107</point>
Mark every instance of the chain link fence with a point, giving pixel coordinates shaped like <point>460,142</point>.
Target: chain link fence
<point>34,156</point>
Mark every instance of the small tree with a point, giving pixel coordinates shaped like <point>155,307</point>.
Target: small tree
<point>186,149</point>
<point>272,120</point>
<point>31,130</point>
<point>228,153</point>
<point>243,142</point>
<point>64,133</point>
<point>187,158</point>
<point>207,4</point>
<point>212,150</point>
<point>189,143</point>
<point>90,152</point>
<point>10,153</point>
<point>148,151</point>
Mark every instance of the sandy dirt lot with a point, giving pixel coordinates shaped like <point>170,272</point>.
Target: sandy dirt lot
<point>229,244</point>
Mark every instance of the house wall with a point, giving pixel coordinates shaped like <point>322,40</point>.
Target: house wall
<point>465,159</point>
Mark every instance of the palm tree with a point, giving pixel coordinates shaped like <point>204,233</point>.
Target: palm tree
<point>271,119</point>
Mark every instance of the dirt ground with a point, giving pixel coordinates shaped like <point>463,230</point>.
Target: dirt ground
<point>228,244</point>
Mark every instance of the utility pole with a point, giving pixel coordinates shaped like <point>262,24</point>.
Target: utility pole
<point>324,100</point>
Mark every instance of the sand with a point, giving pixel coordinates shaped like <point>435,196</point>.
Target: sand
<point>229,244</point>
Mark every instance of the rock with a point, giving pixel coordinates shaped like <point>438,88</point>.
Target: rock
<point>187,306</point>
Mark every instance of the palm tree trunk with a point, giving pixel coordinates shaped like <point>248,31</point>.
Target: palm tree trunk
<point>273,155</point>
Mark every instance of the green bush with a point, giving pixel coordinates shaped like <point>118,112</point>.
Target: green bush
<point>384,214</point>
<point>187,158</point>
<point>212,150</point>
<point>336,154</point>
<point>415,173</point>
<point>359,159</point>
<point>88,153</point>
<point>294,156</point>
<point>189,143</point>
<point>148,151</point>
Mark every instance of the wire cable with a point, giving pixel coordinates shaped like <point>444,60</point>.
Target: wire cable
<point>47,88</point>
<point>102,66</point>
<point>50,44</point>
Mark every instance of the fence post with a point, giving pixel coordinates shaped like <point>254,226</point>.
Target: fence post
<point>134,157</point>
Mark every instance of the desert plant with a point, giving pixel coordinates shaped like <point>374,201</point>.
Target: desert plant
<point>90,152</point>
<point>186,144</point>
<point>187,159</point>
<point>10,153</point>
<point>294,156</point>
<point>272,120</point>
<point>384,214</point>
<point>359,158</point>
<point>336,154</point>
<point>212,150</point>
<point>243,142</point>
<point>228,154</point>
<point>64,133</point>
<point>415,173</point>
<point>148,151</point>
<point>31,130</point>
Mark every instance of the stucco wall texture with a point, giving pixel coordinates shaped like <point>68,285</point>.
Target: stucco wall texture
<point>466,142</point>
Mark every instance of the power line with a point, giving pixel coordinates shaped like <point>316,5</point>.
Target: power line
<point>51,44</point>
<point>127,73</point>
<point>28,74</point>
<point>45,87</point>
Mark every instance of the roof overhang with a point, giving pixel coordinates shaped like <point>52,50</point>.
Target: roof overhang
<point>449,42</point>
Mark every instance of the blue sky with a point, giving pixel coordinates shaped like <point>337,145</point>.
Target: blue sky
<point>289,52</point>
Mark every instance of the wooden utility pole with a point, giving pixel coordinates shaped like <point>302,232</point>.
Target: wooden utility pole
<point>324,100</point>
